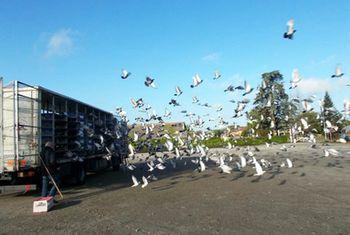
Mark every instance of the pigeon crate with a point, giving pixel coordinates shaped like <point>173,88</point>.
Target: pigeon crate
<point>43,204</point>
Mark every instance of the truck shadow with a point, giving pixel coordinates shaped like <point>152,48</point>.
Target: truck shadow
<point>107,181</point>
<point>66,203</point>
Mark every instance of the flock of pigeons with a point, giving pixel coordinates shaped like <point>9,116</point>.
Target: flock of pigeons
<point>189,143</point>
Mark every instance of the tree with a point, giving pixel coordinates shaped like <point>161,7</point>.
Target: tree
<point>313,120</point>
<point>331,114</point>
<point>329,111</point>
<point>272,104</point>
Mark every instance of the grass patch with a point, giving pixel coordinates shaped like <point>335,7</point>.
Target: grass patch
<point>217,142</point>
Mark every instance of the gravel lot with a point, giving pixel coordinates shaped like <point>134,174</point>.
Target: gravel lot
<point>313,197</point>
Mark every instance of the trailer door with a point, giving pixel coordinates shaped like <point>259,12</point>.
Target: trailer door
<point>28,126</point>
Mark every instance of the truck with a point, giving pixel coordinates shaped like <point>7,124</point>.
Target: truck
<point>86,138</point>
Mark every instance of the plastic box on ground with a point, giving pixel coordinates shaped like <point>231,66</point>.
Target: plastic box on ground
<point>43,204</point>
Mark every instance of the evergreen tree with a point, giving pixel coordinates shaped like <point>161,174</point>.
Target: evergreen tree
<point>272,104</point>
<point>329,111</point>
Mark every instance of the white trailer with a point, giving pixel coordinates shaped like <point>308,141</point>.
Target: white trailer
<point>32,115</point>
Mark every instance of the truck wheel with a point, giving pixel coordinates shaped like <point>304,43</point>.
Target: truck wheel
<point>80,175</point>
<point>116,163</point>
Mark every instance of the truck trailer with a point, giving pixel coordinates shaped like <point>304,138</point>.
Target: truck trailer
<point>86,138</point>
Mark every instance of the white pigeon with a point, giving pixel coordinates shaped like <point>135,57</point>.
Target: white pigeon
<point>247,88</point>
<point>338,72</point>
<point>333,152</point>
<point>160,166</point>
<point>178,91</point>
<point>136,136</point>
<point>145,182</point>
<point>304,123</point>
<point>290,30</point>
<point>167,113</point>
<point>258,169</point>
<point>289,163</point>
<point>135,181</point>
<point>225,169</point>
<point>326,153</point>
<point>131,167</point>
<point>295,79</point>
<point>169,145</point>
<point>202,151</point>
<point>328,124</point>
<point>177,153</point>
<point>131,150</point>
<point>238,166</point>
<point>243,161</point>
<point>134,103</point>
<point>201,166</point>
<point>150,167</point>
<point>217,75</point>
<point>125,74</point>
<point>196,80</point>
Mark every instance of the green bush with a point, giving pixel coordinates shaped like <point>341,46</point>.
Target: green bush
<point>217,142</point>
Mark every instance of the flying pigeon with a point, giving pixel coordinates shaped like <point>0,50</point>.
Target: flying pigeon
<point>145,182</point>
<point>178,91</point>
<point>338,72</point>
<point>290,30</point>
<point>295,79</point>
<point>217,75</point>
<point>247,88</point>
<point>174,102</point>
<point>196,81</point>
<point>135,181</point>
<point>125,74</point>
<point>229,88</point>
<point>150,82</point>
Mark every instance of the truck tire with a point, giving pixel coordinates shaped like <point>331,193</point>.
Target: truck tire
<point>80,175</point>
<point>116,163</point>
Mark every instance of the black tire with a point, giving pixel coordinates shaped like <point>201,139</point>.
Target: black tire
<point>13,180</point>
<point>80,175</point>
<point>116,163</point>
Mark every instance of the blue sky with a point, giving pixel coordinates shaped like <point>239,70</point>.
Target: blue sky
<point>79,48</point>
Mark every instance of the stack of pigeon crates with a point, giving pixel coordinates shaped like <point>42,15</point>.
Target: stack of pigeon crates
<point>61,133</point>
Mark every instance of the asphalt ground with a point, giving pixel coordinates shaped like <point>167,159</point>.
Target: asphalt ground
<point>313,197</point>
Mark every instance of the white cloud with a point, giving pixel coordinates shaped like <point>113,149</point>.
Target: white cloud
<point>60,43</point>
<point>317,85</point>
<point>211,57</point>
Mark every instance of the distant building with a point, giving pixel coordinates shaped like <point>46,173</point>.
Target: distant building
<point>158,128</point>
<point>235,132</point>
<point>345,133</point>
